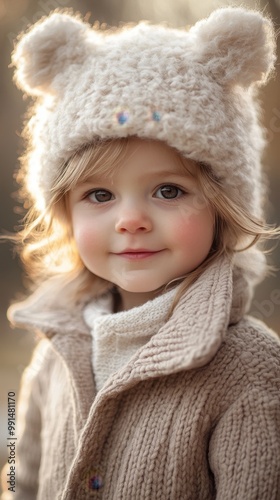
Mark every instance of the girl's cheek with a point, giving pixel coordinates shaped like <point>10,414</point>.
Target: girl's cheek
<point>195,229</point>
<point>86,235</point>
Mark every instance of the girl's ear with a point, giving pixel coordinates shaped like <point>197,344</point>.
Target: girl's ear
<point>237,46</point>
<point>47,49</point>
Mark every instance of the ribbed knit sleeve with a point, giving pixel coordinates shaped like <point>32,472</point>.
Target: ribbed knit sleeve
<point>28,429</point>
<point>245,447</point>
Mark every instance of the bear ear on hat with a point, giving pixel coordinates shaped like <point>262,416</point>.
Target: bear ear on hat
<point>47,49</point>
<point>236,45</point>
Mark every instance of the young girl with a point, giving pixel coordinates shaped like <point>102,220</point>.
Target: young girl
<point>143,177</point>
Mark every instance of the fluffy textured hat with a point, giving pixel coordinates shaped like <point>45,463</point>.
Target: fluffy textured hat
<point>192,89</point>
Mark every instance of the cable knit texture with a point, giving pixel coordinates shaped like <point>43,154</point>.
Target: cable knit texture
<point>194,414</point>
<point>116,337</point>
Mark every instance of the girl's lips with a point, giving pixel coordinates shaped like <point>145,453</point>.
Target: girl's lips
<point>137,254</point>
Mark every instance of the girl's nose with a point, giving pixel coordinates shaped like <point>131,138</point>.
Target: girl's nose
<point>132,221</point>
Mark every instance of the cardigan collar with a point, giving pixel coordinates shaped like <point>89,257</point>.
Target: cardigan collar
<point>189,339</point>
<point>141,321</point>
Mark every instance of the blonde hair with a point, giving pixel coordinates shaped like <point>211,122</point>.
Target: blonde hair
<point>48,249</point>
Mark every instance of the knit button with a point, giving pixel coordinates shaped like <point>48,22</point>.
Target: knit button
<point>95,482</point>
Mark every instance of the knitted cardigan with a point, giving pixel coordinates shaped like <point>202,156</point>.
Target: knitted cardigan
<point>194,415</point>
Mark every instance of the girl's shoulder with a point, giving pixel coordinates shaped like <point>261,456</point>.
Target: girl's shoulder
<point>250,354</point>
<point>254,336</point>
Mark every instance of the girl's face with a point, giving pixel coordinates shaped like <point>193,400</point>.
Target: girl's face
<point>144,225</point>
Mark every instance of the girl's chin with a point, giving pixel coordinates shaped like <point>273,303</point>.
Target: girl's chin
<point>137,288</point>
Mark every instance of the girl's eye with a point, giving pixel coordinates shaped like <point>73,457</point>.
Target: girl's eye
<point>169,192</point>
<point>100,196</point>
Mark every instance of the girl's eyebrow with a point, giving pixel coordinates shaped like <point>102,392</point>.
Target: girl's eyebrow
<point>179,172</point>
<point>99,178</point>
<point>169,176</point>
<point>96,178</point>
<point>176,173</point>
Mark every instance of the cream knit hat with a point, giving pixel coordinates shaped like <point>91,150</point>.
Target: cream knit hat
<point>193,89</point>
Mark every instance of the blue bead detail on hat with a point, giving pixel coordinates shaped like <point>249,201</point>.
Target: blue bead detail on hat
<point>122,117</point>
<point>156,116</point>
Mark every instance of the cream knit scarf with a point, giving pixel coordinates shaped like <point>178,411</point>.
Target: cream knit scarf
<point>117,336</point>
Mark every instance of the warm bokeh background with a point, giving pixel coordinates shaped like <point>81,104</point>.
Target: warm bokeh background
<point>15,16</point>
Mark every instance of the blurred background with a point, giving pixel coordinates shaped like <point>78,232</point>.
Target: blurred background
<point>16,16</point>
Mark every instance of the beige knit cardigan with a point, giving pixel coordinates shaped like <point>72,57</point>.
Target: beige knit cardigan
<point>194,415</point>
